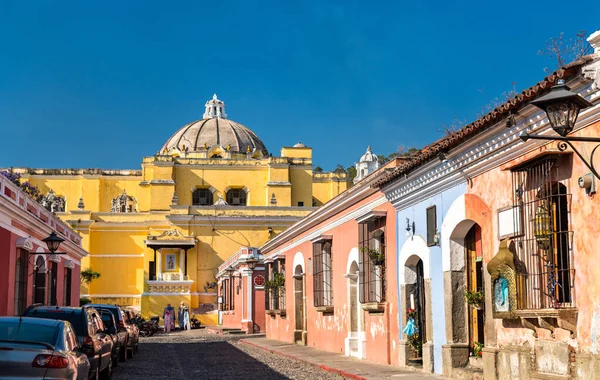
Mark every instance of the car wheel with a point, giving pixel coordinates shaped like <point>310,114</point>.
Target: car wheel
<point>123,353</point>
<point>107,373</point>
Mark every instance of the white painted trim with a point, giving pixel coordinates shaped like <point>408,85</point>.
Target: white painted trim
<point>166,294</point>
<point>416,246</point>
<point>317,232</point>
<point>456,214</point>
<point>112,295</point>
<point>352,256</point>
<point>124,256</point>
<point>204,294</point>
<point>298,260</point>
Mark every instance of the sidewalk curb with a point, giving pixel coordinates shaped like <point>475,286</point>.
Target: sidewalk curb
<point>324,367</point>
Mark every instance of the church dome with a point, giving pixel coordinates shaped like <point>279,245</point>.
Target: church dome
<point>214,129</point>
<point>368,156</point>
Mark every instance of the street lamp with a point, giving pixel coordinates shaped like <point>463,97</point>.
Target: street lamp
<point>251,262</point>
<point>562,108</point>
<point>230,270</point>
<point>53,242</point>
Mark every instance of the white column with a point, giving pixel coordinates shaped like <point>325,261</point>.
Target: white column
<point>247,310</point>
<point>180,264</point>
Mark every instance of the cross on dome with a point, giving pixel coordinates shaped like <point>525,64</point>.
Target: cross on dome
<point>214,108</point>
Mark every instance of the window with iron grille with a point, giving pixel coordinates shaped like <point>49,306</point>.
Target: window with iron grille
<point>21,277</point>
<point>322,273</point>
<point>227,291</point>
<point>544,270</point>
<point>236,197</point>
<point>372,258</point>
<point>431,226</point>
<point>202,197</point>
<point>275,296</point>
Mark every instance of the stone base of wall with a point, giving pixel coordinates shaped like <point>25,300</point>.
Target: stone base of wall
<point>547,360</point>
<point>454,355</point>
<point>428,357</point>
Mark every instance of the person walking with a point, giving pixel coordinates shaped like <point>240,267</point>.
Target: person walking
<point>186,318</point>
<point>169,317</point>
<point>180,315</point>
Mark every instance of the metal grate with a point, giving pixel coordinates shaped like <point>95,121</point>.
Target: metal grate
<point>372,259</point>
<point>545,274</point>
<point>202,197</point>
<point>322,273</point>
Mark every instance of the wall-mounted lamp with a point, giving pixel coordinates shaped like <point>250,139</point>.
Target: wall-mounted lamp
<point>562,108</point>
<point>442,157</point>
<point>410,227</point>
<point>270,230</point>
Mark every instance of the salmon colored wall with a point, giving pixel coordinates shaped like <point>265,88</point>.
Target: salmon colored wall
<point>8,257</point>
<point>328,331</point>
<point>233,318</point>
<point>495,189</point>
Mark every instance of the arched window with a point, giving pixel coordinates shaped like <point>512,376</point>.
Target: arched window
<point>236,197</point>
<point>202,197</point>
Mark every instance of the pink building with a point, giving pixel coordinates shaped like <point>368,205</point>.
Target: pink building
<point>241,291</point>
<point>331,277</point>
<point>28,273</point>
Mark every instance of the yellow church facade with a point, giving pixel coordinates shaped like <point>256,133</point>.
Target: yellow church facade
<point>157,235</point>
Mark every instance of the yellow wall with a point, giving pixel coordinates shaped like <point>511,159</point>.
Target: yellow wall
<point>116,241</point>
<point>326,186</point>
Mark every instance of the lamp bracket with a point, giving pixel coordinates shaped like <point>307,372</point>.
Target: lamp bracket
<point>565,142</point>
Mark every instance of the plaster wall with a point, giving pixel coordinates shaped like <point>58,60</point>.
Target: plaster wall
<point>494,187</point>
<point>328,331</point>
<point>432,260</point>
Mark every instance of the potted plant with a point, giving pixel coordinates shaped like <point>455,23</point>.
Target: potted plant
<point>477,349</point>
<point>413,336</point>
<point>376,257</point>
<point>474,298</point>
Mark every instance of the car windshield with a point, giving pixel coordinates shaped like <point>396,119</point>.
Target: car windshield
<point>28,331</point>
<point>114,311</point>
<point>63,315</point>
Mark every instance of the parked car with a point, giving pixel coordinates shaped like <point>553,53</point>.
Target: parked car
<point>92,338</point>
<point>35,348</point>
<point>120,324</point>
<point>132,327</point>
<point>118,336</point>
<point>122,319</point>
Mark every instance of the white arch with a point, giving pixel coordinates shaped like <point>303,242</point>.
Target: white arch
<point>456,214</point>
<point>417,246</point>
<point>352,256</point>
<point>298,260</point>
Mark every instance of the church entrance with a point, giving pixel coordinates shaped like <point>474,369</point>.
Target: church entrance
<point>299,307</point>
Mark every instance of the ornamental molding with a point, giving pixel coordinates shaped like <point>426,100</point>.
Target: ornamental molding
<point>492,148</point>
<point>69,264</point>
<point>172,235</point>
<point>25,243</point>
<point>53,202</point>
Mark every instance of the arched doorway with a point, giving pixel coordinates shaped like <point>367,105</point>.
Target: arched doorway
<point>39,285</point>
<point>474,285</point>
<point>299,307</point>
<point>417,311</point>
<point>353,311</point>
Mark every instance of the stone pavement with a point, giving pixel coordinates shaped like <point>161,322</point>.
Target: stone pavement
<point>346,366</point>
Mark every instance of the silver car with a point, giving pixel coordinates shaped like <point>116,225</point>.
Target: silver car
<point>37,348</point>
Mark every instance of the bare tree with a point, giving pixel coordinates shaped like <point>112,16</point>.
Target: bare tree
<point>456,125</point>
<point>498,100</point>
<point>566,50</point>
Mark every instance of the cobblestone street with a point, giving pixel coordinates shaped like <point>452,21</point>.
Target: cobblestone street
<point>198,354</point>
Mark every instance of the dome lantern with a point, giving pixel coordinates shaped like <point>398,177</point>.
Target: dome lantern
<point>214,108</point>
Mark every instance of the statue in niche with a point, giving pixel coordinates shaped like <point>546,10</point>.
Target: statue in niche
<point>502,270</point>
<point>501,301</point>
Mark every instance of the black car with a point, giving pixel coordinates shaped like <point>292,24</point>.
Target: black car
<point>94,341</point>
<point>119,350</point>
<point>122,321</point>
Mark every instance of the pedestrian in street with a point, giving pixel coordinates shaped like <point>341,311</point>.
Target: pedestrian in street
<point>180,315</point>
<point>169,317</point>
<point>186,318</point>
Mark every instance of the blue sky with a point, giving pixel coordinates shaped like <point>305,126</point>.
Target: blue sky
<point>102,84</point>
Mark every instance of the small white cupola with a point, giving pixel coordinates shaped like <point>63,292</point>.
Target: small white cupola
<point>368,164</point>
<point>215,108</point>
